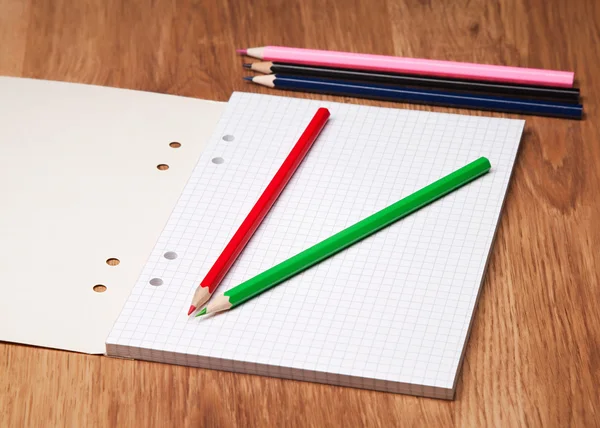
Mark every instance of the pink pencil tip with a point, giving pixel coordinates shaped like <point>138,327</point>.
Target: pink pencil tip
<point>192,309</point>
<point>242,51</point>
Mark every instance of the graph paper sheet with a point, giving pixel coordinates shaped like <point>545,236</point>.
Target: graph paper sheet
<point>391,313</point>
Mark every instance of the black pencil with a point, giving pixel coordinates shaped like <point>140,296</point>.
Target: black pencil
<point>566,95</point>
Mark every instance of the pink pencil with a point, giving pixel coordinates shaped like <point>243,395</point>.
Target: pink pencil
<point>394,64</point>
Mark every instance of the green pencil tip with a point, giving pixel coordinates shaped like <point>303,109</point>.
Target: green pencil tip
<point>202,312</point>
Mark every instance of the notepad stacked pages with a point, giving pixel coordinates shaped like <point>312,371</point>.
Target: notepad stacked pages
<point>393,312</point>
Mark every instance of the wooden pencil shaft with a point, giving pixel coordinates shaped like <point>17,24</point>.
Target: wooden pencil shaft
<point>260,209</point>
<point>356,232</point>
<point>424,96</point>
<point>420,66</point>
<point>569,95</point>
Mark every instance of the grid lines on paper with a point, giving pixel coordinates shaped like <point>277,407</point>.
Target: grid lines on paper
<point>393,310</point>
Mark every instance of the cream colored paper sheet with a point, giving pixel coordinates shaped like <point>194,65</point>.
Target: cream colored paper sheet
<point>79,184</point>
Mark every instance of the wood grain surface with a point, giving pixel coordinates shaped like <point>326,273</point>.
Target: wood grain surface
<point>533,358</point>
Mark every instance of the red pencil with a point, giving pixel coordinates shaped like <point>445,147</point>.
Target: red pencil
<point>258,212</point>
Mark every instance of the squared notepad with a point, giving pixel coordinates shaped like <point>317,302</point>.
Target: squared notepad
<point>391,313</point>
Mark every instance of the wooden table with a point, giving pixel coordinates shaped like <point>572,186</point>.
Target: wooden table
<point>534,353</point>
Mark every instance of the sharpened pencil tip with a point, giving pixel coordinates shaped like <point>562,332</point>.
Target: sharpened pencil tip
<point>192,309</point>
<point>202,312</point>
<point>247,65</point>
<point>248,78</point>
<point>242,51</point>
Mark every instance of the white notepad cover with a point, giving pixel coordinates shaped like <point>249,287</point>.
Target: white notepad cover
<point>79,184</point>
<point>391,313</point>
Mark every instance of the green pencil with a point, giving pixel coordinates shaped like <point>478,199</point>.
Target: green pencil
<point>341,240</point>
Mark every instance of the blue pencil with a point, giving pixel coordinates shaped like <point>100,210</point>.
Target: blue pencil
<point>419,96</point>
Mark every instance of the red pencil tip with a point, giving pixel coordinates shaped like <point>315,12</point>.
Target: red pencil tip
<point>192,309</point>
<point>241,51</point>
